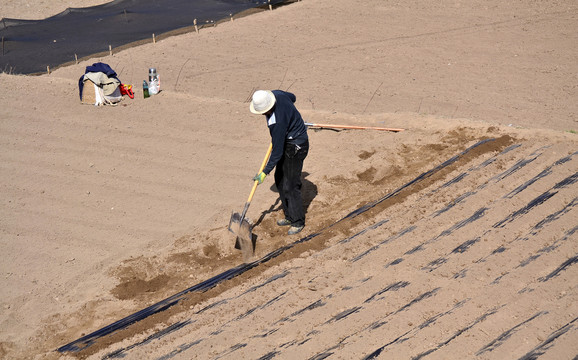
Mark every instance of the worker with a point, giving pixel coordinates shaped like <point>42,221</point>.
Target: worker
<point>290,148</point>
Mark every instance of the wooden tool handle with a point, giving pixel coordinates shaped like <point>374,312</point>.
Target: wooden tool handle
<point>260,170</point>
<point>331,126</point>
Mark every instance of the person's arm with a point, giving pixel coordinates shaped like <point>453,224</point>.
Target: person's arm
<point>278,131</point>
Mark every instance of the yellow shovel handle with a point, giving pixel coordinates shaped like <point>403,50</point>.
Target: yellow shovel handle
<point>260,170</point>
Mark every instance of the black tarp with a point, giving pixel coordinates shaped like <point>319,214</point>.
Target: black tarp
<point>29,46</point>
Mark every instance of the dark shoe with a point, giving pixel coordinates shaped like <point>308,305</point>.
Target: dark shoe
<point>283,222</point>
<point>295,229</point>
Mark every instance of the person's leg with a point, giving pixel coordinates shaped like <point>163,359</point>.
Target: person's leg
<point>292,167</point>
<point>279,175</point>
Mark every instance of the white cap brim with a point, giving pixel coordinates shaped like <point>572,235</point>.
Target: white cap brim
<point>270,105</point>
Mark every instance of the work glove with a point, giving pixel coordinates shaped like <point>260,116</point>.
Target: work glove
<point>260,177</point>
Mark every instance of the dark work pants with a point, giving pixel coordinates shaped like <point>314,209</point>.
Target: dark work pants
<point>288,182</point>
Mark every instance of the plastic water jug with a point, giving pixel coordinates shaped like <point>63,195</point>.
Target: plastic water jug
<point>154,82</point>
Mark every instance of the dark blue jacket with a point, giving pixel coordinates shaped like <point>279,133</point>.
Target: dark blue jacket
<point>96,67</point>
<point>286,126</point>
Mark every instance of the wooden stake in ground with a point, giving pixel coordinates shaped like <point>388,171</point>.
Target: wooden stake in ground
<point>110,50</point>
<point>48,69</point>
<point>154,40</point>
<point>76,59</point>
<point>196,28</point>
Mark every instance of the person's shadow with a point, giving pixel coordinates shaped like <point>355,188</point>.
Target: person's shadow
<point>308,192</point>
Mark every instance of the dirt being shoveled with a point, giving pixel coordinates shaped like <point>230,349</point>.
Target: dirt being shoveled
<point>466,245</point>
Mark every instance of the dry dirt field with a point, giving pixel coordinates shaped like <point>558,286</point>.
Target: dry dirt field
<point>453,239</point>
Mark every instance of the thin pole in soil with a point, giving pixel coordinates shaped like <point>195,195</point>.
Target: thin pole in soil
<point>284,76</point>
<point>179,75</point>
<point>372,96</point>
<point>248,99</point>
<point>289,87</point>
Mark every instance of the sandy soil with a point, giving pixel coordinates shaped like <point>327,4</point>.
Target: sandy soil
<point>106,211</point>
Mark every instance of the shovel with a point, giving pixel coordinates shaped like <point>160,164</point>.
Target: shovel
<point>240,226</point>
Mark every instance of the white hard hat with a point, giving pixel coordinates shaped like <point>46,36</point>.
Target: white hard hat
<point>263,101</point>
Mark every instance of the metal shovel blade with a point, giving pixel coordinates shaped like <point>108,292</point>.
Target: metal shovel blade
<point>243,229</point>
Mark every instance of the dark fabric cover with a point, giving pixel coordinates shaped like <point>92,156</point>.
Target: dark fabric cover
<point>30,46</point>
<point>96,67</point>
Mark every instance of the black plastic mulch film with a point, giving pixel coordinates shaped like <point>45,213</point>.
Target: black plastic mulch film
<point>88,340</point>
<point>30,46</point>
